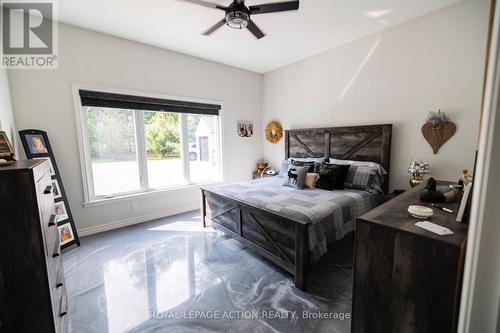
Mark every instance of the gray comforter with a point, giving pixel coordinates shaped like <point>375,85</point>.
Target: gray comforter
<point>332,213</point>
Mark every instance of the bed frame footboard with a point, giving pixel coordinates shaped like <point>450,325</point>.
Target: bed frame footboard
<point>279,239</point>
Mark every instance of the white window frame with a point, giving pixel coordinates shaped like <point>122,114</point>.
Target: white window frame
<point>85,161</point>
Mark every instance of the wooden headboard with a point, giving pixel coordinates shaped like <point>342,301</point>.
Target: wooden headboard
<point>359,143</point>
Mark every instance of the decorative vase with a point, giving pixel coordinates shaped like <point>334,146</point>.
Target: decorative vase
<point>417,168</point>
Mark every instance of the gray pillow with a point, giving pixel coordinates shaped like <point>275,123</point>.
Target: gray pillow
<point>295,176</point>
<point>363,175</point>
<point>364,178</point>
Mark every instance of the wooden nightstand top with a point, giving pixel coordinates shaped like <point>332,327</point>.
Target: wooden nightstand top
<point>394,214</point>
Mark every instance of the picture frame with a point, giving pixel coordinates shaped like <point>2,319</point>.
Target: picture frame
<point>464,202</point>
<point>60,212</point>
<point>51,166</point>
<point>6,150</point>
<point>245,129</point>
<point>37,146</point>
<point>56,190</point>
<point>66,234</point>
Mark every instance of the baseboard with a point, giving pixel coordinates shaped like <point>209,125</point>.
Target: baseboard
<point>135,220</point>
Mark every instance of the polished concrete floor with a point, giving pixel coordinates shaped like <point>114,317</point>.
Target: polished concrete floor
<point>171,275</point>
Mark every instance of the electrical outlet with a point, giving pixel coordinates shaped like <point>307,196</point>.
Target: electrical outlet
<point>134,206</point>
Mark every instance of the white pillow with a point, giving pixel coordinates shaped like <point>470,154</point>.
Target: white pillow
<point>308,159</point>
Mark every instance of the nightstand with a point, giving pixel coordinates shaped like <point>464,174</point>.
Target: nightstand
<point>256,175</point>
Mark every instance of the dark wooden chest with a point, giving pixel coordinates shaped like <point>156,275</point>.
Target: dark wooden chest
<point>32,291</point>
<point>407,279</point>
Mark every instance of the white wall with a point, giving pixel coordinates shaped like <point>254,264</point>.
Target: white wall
<point>6,115</point>
<point>480,309</point>
<point>396,76</point>
<point>43,99</point>
<point>485,303</point>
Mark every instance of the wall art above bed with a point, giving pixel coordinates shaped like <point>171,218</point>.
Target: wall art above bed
<point>245,129</point>
<point>274,132</point>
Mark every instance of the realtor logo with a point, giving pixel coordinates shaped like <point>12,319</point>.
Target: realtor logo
<point>29,34</point>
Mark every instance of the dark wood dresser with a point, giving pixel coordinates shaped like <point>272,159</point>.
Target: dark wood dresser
<point>32,291</point>
<point>407,279</point>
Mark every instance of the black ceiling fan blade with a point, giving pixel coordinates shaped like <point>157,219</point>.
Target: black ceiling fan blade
<point>207,4</point>
<point>274,7</point>
<point>215,27</point>
<point>255,30</point>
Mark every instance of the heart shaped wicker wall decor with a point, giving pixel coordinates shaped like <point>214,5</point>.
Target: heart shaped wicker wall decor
<point>437,134</point>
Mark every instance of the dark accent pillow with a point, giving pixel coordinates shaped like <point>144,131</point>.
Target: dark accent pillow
<point>331,176</point>
<point>309,164</point>
<point>295,176</point>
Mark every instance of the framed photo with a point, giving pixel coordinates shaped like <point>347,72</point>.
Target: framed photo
<point>56,190</point>
<point>245,129</point>
<point>5,146</point>
<point>60,211</point>
<point>66,234</point>
<point>36,144</point>
<point>51,166</point>
<point>464,202</point>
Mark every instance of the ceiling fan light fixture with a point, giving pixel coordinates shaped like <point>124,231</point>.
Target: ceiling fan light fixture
<point>237,14</point>
<point>237,19</point>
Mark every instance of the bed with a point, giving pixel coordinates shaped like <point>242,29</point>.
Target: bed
<point>292,228</point>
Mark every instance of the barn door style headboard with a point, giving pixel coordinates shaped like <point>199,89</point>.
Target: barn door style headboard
<point>359,143</point>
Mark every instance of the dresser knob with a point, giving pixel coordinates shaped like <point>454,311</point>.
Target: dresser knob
<point>48,189</point>
<point>52,221</point>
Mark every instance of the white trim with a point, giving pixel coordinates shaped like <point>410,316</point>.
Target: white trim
<point>135,220</point>
<point>82,137</point>
<point>219,131</point>
<point>481,179</point>
<point>144,195</point>
<point>83,143</point>
<point>140,144</point>
<point>184,142</point>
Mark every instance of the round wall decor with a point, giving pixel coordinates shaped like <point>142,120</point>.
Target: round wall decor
<point>274,132</point>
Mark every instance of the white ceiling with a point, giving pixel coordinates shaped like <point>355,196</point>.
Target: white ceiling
<point>176,25</point>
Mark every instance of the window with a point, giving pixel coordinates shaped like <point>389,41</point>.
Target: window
<point>136,144</point>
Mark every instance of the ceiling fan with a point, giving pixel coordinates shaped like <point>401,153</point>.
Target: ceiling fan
<point>238,14</point>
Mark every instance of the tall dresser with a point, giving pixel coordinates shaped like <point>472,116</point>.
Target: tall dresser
<point>407,279</point>
<point>32,290</point>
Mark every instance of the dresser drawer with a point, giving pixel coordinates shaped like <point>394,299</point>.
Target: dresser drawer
<point>60,307</point>
<point>56,272</point>
<point>40,170</point>
<point>45,197</point>
<point>51,236</point>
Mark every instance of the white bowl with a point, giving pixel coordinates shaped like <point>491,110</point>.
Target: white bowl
<point>420,212</point>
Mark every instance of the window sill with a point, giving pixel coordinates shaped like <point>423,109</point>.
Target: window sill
<point>143,195</point>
